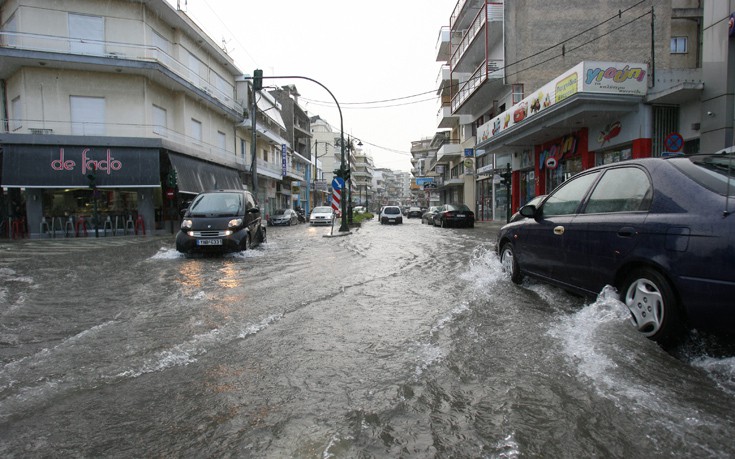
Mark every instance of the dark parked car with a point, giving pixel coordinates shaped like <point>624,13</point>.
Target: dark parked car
<point>414,212</point>
<point>659,230</point>
<point>220,221</point>
<point>428,216</point>
<point>454,215</point>
<point>286,217</point>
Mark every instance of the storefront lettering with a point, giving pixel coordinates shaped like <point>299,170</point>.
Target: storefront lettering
<point>108,164</point>
<point>616,75</point>
<point>552,156</point>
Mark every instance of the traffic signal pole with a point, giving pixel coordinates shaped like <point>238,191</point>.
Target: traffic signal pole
<point>258,79</point>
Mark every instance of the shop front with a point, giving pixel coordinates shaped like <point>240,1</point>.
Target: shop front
<point>70,187</point>
<point>592,114</point>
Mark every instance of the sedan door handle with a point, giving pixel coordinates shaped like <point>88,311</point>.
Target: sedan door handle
<point>559,230</point>
<point>627,231</point>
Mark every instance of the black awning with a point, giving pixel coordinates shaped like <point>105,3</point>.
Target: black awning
<point>194,176</point>
<point>59,166</point>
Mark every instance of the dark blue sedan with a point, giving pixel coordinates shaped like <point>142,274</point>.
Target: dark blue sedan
<point>659,230</point>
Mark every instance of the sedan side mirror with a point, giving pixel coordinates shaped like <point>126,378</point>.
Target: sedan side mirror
<point>528,211</point>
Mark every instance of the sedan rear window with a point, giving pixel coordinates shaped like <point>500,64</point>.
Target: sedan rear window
<point>714,172</point>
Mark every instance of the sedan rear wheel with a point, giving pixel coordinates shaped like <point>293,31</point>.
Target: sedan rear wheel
<point>510,264</point>
<point>653,306</point>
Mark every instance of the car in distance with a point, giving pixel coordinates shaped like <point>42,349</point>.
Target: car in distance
<point>414,212</point>
<point>660,230</point>
<point>391,214</point>
<point>321,215</point>
<point>454,215</point>
<point>220,221</point>
<point>285,217</point>
<point>428,216</point>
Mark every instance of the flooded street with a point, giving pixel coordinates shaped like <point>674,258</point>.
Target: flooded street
<point>394,341</point>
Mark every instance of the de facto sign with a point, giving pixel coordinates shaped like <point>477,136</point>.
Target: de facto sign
<point>68,166</point>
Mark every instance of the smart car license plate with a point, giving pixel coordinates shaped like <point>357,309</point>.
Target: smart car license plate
<point>209,241</point>
<point>460,215</point>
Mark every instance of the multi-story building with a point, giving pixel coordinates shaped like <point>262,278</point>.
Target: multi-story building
<point>297,162</point>
<point>136,98</point>
<point>546,89</point>
<point>362,174</point>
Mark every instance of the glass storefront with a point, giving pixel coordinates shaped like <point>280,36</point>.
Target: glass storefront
<point>566,170</point>
<point>613,156</point>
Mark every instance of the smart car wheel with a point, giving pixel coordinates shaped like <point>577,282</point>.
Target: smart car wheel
<point>653,306</point>
<point>510,264</point>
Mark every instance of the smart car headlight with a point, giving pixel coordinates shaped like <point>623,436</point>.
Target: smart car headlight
<point>234,223</point>
<point>186,224</point>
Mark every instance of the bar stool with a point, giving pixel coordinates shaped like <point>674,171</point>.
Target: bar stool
<point>55,227</point>
<point>140,223</point>
<point>44,227</point>
<point>19,227</point>
<point>81,224</point>
<point>119,224</point>
<point>129,225</point>
<point>69,227</point>
<point>108,224</point>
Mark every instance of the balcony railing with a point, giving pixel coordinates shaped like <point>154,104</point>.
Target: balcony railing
<point>223,91</point>
<point>487,70</point>
<point>491,11</point>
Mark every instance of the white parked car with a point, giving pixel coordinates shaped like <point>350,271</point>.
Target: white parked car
<point>321,215</point>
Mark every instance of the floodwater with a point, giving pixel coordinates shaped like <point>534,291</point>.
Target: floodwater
<point>393,341</point>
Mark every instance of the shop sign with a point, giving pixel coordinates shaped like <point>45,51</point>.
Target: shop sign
<point>592,77</point>
<point>469,152</point>
<point>553,154</point>
<point>49,166</point>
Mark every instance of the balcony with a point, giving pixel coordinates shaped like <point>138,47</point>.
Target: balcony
<point>487,72</point>
<point>485,33</point>
<point>443,45</point>
<point>55,51</point>
<point>448,151</point>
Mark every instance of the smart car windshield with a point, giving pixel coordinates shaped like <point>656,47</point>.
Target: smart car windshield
<point>216,203</point>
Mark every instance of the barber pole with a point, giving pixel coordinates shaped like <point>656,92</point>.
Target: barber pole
<point>336,199</point>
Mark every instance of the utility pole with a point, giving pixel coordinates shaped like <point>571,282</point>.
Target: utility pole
<point>257,86</point>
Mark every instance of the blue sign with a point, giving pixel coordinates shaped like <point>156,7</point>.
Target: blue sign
<point>469,152</point>
<point>284,150</point>
<point>338,183</point>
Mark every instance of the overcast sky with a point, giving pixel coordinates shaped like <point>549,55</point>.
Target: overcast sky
<point>363,51</point>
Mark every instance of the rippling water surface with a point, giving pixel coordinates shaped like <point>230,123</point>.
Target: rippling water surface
<point>394,341</point>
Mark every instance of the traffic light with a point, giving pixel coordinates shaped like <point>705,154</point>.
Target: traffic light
<point>342,173</point>
<point>505,179</point>
<point>258,79</point>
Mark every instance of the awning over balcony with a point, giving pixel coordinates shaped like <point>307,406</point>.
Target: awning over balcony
<point>194,176</point>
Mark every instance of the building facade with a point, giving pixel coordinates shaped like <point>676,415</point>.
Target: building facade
<point>540,91</point>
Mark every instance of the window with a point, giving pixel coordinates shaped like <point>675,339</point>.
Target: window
<point>87,34</point>
<point>163,47</point>
<point>87,115</point>
<point>16,115</point>
<point>222,140</point>
<point>160,123</point>
<point>196,130</point>
<point>566,199</point>
<point>517,93</point>
<point>625,189</point>
<point>678,45</point>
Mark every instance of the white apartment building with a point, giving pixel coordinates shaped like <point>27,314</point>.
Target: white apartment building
<point>136,94</point>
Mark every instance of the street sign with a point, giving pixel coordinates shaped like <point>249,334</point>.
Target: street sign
<point>338,183</point>
<point>674,142</point>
